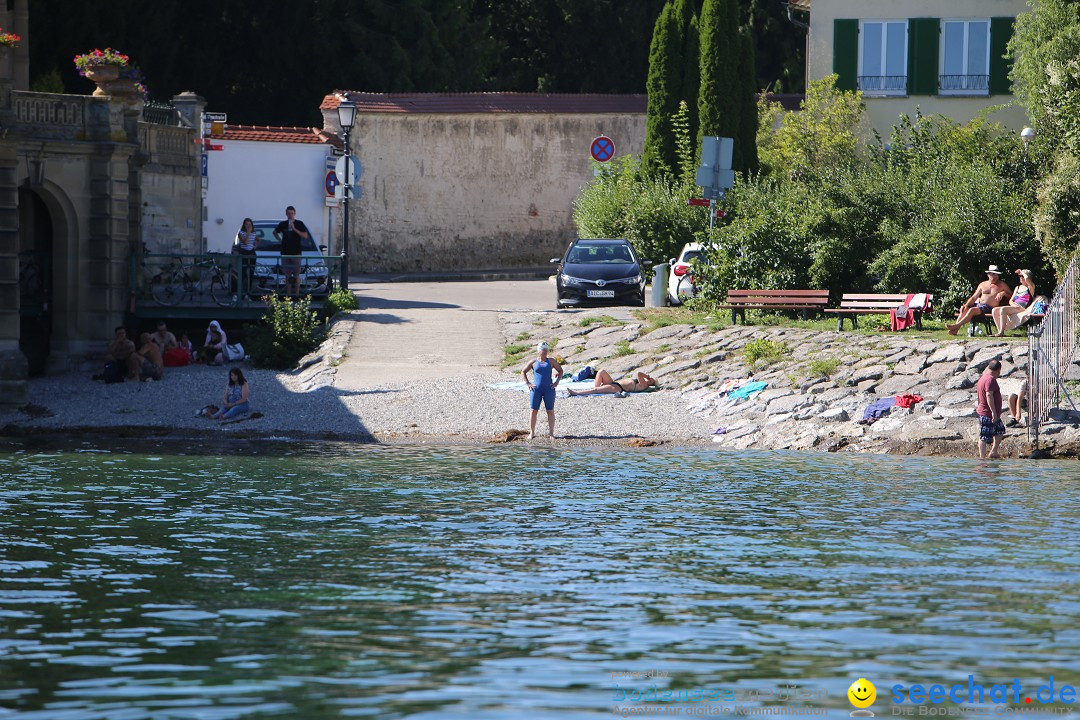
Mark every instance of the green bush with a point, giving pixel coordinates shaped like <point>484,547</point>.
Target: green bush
<point>287,332</point>
<point>764,352</point>
<point>824,367</point>
<point>338,301</point>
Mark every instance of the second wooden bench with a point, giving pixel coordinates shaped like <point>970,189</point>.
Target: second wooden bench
<point>854,304</point>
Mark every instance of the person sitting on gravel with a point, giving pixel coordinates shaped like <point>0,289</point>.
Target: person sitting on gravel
<point>235,401</point>
<point>990,293</point>
<point>151,364</point>
<point>163,337</point>
<point>604,383</point>
<point>214,344</point>
<point>119,362</point>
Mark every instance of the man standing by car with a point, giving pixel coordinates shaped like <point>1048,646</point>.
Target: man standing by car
<point>290,233</point>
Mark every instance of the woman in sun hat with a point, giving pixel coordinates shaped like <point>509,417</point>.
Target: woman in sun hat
<point>542,386</point>
<point>1008,317</point>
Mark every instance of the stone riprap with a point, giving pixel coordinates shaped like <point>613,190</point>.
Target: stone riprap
<point>801,410</point>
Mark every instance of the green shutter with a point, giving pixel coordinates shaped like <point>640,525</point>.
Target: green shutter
<point>845,59</point>
<point>1001,30</point>
<point>924,34</point>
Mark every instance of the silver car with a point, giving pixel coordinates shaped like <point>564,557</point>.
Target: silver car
<point>314,273</point>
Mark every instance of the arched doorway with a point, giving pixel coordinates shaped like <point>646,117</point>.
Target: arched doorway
<point>35,279</point>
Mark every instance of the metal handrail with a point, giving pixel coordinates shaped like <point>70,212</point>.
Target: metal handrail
<point>1052,346</point>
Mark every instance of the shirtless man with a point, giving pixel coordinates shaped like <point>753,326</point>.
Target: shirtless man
<point>990,293</point>
<point>150,365</point>
<point>164,339</point>
<point>605,384</point>
<point>121,351</point>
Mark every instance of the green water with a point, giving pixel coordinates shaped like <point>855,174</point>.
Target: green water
<point>341,581</point>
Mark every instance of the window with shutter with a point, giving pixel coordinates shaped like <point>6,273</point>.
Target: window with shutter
<point>846,53</point>
<point>883,61</point>
<point>923,42</point>
<point>965,57</point>
<point>1001,30</point>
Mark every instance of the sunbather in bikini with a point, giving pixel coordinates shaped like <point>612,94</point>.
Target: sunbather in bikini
<point>604,383</point>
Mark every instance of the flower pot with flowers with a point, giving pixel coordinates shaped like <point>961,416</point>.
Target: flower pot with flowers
<point>9,40</point>
<point>101,67</point>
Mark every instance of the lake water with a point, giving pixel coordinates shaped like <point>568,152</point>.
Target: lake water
<point>336,581</point>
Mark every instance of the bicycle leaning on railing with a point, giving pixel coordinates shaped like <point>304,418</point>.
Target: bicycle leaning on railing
<point>190,279</point>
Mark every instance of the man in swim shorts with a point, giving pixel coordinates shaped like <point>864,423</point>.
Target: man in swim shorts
<point>990,293</point>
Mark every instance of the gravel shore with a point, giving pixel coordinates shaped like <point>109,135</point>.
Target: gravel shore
<point>306,405</point>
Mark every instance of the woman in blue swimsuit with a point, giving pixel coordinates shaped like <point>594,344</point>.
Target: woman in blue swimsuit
<point>542,386</point>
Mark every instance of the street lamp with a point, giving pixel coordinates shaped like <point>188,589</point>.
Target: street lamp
<point>1027,135</point>
<point>346,117</point>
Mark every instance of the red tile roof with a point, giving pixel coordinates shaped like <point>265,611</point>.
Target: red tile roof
<point>259,133</point>
<point>493,102</point>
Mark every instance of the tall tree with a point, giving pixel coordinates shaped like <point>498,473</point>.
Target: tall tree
<point>665,76</point>
<point>691,80</point>
<point>745,150</point>
<point>718,104</point>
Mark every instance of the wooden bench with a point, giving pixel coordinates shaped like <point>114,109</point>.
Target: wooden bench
<point>854,304</point>
<point>808,301</point>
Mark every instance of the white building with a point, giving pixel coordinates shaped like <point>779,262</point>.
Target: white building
<point>257,173</point>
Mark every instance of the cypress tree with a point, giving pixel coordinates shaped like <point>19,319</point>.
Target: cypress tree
<point>665,72</point>
<point>745,151</point>
<point>718,107</point>
<point>692,79</point>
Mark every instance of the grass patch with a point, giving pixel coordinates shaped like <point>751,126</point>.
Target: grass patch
<point>579,349</point>
<point>513,354</point>
<point>765,352</point>
<point>601,320</point>
<point>663,348</point>
<point>622,349</point>
<point>523,336</point>
<point>653,318</point>
<point>824,367</point>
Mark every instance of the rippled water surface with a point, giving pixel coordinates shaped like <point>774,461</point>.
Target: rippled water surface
<point>511,582</point>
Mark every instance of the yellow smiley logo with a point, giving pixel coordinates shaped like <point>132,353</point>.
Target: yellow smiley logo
<point>862,693</point>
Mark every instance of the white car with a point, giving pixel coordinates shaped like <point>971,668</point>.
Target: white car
<point>680,283</point>
<point>314,274</point>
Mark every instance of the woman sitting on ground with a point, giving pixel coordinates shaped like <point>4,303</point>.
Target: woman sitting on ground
<point>235,402</point>
<point>1006,317</point>
<point>605,384</point>
<point>214,344</point>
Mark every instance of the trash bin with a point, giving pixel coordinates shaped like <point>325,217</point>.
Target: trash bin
<point>659,284</point>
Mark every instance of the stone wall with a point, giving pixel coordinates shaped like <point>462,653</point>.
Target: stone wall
<point>473,191</point>
<point>169,189</point>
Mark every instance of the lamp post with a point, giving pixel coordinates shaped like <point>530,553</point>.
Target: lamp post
<point>1027,135</point>
<point>346,117</point>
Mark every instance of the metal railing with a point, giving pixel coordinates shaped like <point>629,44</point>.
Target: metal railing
<point>964,83</point>
<point>226,279</point>
<point>161,114</point>
<point>883,83</point>
<point>1051,348</point>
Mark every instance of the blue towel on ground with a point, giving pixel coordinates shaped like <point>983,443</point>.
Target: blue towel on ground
<point>878,409</point>
<point>751,388</point>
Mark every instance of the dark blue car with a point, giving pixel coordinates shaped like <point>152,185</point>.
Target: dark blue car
<point>600,272</point>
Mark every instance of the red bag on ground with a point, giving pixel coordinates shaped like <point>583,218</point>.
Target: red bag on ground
<point>176,357</point>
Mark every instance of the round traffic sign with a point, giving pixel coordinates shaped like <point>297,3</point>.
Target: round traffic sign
<point>331,182</point>
<point>602,149</point>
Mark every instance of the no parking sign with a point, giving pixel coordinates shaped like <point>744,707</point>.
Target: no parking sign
<point>602,149</point>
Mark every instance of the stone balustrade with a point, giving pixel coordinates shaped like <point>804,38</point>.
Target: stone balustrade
<point>51,115</point>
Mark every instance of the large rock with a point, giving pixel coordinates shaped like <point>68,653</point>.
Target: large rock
<point>951,353</point>
<point>954,411</point>
<point>867,386</point>
<point>911,366</point>
<point>942,370</point>
<point>787,404</point>
<point>983,357</point>
<point>961,382</point>
<point>670,331</point>
<point>836,394</point>
<point>834,415</point>
<point>898,385</point>
<point>897,356</point>
<point>873,372</point>
<point>956,397</point>
<point>925,430</point>
<point>769,394</point>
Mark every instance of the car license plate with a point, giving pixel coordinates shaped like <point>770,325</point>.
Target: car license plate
<point>601,293</point>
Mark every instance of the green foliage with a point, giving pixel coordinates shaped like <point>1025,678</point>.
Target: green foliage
<point>287,332</point>
<point>622,349</point>
<point>718,99</point>
<point>1047,36</point>
<point>822,137</point>
<point>684,153</point>
<point>663,88</point>
<point>602,320</point>
<point>338,301</point>
<point>48,82</point>
<point>649,212</point>
<point>514,354</point>
<point>745,151</point>
<point>824,367</point>
<point>764,352</point>
<point>1057,218</point>
<point>691,81</point>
